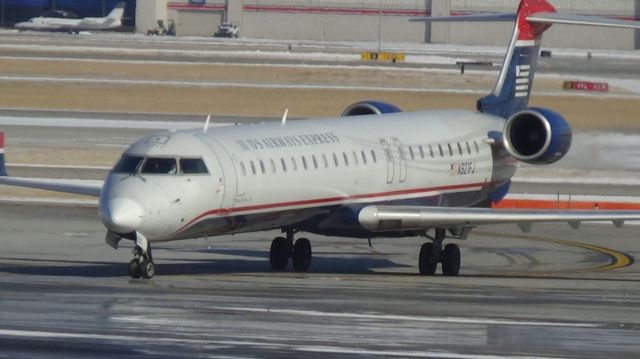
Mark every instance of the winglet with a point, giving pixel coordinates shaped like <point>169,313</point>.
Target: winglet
<point>3,171</point>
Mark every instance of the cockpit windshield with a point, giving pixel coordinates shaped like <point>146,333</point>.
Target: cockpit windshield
<point>128,164</point>
<point>153,165</point>
<point>160,165</point>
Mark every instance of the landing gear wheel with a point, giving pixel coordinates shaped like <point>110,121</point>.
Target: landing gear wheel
<point>427,260</point>
<point>134,268</point>
<point>302,255</point>
<point>279,253</point>
<point>451,260</point>
<point>147,269</point>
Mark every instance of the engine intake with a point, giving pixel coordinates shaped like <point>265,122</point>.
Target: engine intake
<point>537,136</point>
<point>369,108</point>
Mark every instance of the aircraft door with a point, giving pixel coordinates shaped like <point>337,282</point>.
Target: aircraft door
<point>402,160</point>
<point>391,165</point>
<point>226,186</point>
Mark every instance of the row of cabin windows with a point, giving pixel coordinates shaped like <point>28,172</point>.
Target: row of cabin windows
<point>432,151</point>
<point>314,162</point>
<point>441,150</point>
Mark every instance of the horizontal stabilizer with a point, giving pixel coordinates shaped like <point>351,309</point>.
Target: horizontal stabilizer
<point>570,19</point>
<point>507,16</point>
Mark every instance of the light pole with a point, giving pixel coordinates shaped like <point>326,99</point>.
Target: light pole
<point>379,30</point>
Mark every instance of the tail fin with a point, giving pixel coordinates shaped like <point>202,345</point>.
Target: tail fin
<point>117,11</point>
<point>533,18</point>
<point>3,170</point>
<point>513,88</point>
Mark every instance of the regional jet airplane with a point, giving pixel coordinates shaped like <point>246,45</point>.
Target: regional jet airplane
<point>373,172</point>
<point>111,21</point>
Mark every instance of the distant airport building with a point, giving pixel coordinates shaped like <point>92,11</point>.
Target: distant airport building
<point>14,11</point>
<point>347,20</point>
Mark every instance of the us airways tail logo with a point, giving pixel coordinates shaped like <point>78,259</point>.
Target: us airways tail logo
<point>522,80</point>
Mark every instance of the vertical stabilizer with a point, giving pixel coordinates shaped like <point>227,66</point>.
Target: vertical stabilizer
<point>512,91</point>
<point>117,12</point>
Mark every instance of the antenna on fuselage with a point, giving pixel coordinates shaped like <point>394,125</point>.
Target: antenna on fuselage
<point>206,124</point>
<point>284,117</point>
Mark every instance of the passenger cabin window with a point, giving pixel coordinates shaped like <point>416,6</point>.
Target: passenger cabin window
<point>284,164</point>
<point>335,159</point>
<point>421,152</point>
<point>373,156</point>
<point>261,166</point>
<point>128,164</point>
<point>355,158</point>
<point>273,165</point>
<point>243,169</point>
<point>315,161</point>
<point>431,151</point>
<point>154,165</point>
<point>253,167</point>
<point>326,162</point>
<point>294,164</point>
<point>411,153</point>
<point>304,162</point>
<point>475,144</point>
<point>468,148</point>
<point>193,166</point>
<point>459,148</point>
<point>346,159</point>
<point>364,157</point>
<point>441,151</point>
<point>450,149</point>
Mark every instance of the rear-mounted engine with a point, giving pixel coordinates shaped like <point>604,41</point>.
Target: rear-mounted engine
<point>369,108</point>
<point>537,136</point>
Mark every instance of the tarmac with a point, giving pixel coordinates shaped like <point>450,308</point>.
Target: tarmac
<point>552,293</point>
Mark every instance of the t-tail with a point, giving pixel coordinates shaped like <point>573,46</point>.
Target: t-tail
<point>533,18</point>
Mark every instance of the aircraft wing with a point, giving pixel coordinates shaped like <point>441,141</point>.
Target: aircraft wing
<point>83,187</point>
<point>391,218</point>
<point>507,16</point>
<point>558,18</point>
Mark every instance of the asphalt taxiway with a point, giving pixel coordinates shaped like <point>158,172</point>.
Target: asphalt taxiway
<point>558,293</point>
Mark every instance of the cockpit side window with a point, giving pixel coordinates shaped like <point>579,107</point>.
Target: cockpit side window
<point>154,165</point>
<point>193,166</point>
<point>128,164</point>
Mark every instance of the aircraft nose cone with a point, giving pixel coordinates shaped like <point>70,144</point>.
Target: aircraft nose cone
<point>121,215</point>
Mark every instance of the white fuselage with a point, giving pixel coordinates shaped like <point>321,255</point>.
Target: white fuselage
<point>311,174</point>
<point>61,24</point>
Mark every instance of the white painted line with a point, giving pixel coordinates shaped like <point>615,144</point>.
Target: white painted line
<point>385,317</point>
<point>93,123</point>
<point>38,165</point>
<point>410,354</point>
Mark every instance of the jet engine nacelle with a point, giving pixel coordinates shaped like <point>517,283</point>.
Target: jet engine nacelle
<point>537,136</point>
<point>369,108</point>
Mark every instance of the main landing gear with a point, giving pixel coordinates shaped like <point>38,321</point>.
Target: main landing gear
<point>142,263</point>
<point>284,248</point>
<point>432,253</point>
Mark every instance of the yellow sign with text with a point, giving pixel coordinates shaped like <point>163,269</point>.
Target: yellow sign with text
<point>382,56</point>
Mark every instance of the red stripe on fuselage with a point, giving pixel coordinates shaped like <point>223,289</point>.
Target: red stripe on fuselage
<point>379,196</point>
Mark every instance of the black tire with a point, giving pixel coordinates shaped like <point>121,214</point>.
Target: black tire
<point>451,260</point>
<point>427,262</point>
<point>147,269</point>
<point>134,268</point>
<point>302,255</point>
<point>279,254</point>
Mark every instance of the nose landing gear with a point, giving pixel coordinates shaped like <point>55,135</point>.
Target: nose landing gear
<point>432,253</point>
<point>284,248</point>
<point>142,263</point>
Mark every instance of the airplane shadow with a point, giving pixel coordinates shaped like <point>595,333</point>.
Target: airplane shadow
<point>180,266</point>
